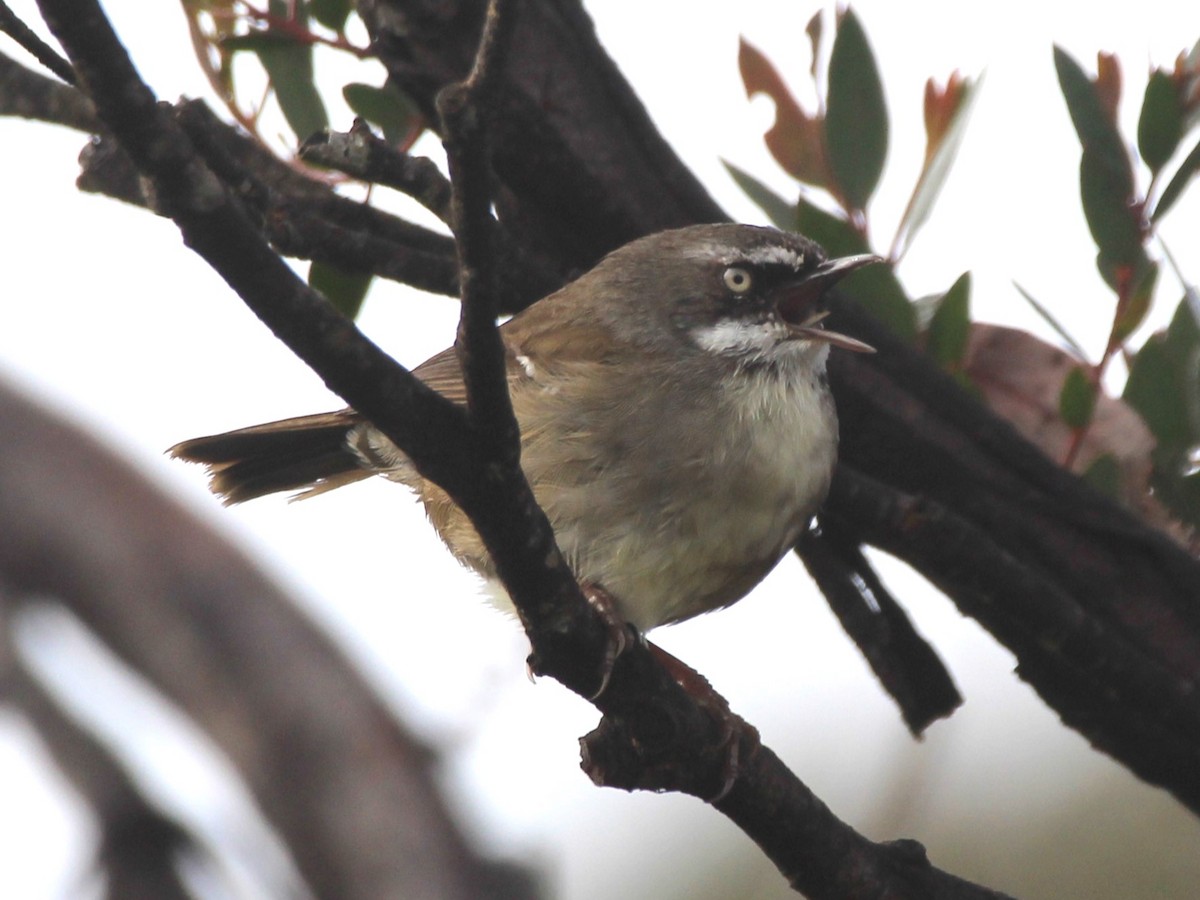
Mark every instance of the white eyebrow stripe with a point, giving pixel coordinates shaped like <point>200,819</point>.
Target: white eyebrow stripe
<point>775,255</point>
<point>767,254</point>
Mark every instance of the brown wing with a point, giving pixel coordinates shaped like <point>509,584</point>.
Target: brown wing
<point>537,345</point>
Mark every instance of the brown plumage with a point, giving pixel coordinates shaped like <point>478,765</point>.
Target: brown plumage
<point>676,426</point>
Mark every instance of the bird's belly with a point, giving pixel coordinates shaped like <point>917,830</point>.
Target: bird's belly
<point>699,541</point>
<point>709,557</point>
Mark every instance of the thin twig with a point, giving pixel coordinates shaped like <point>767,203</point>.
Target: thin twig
<point>39,49</point>
<point>362,155</point>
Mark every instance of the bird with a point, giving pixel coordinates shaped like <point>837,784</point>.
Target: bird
<point>676,423</point>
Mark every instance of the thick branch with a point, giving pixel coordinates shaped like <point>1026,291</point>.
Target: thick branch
<point>181,606</point>
<point>907,666</point>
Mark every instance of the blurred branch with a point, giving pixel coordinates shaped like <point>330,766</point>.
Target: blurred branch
<point>31,95</point>
<point>138,845</point>
<point>350,791</point>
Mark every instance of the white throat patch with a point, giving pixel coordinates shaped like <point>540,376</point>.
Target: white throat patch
<point>729,337</point>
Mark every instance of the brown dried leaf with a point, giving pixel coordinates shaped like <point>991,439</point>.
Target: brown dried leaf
<point>1108,83</point>
<point>795,140</point>
<point>940,106</point>
<point>1021,378</point>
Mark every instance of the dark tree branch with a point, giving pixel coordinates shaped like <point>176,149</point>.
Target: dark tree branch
<point>522,277</point>
<point>1156,734</point>
<point>30,95</point>
<point>465,112</point>
<point>907,666</point>
<point>573,146</point>
<point>362,155</point>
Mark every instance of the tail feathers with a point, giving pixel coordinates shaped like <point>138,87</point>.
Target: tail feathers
<point>309,454</point>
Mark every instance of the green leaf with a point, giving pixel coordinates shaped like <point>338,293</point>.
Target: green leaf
<point>856,122</point>
<point>331,13</point>
<point>1160,125</point>
<point>1182,497</point>
<point>1077,400</point>
<point>289,65</point>
<point>1175,187</point>
<point>1108,206</point>
<point>1182,338</point>
<point>940,151</point>
<point>1182,344</point>
<point>1105,171</point>
<point>875,288</point>
<point>1096,130</point>
<point>1050,320</point>
<point>1164,387</point>
<point>345,290</point>
<point>1104,474</point>
<point>386,107</point>
<point>950,327</point>
<point>1131,316</point>
<point>1153,390</point>
<point>835,234</point>
<point>780,212</point>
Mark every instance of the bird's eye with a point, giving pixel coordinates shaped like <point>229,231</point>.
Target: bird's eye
<point>737,279</point>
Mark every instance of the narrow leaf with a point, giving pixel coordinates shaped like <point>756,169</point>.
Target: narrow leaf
<point>1093,121</point>
<point>1132,312</point>
<point>1112,217</point>
<point>950,327</point>
<point>1179,181</point>
<point>385,107</point>
<point>331,13</point>
<point>1049,318</point>
<point>780,212</point>
<point>345,290</point>
<point>856,122</point>
<point>1153,389</point>
<point>946,115</point>
<point>1104,474</point>
<point>1160,125</point>
<point>289,65</point>
<point>1077,400</point>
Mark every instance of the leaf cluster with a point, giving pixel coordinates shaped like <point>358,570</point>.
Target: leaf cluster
<point>838,151</point>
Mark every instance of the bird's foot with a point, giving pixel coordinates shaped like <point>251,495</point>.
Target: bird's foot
<point>620,633</point>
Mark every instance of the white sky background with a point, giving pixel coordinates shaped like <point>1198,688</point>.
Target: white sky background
<point>139,340</point>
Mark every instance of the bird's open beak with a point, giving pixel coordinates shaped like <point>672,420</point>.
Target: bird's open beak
<point>799,302</point>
